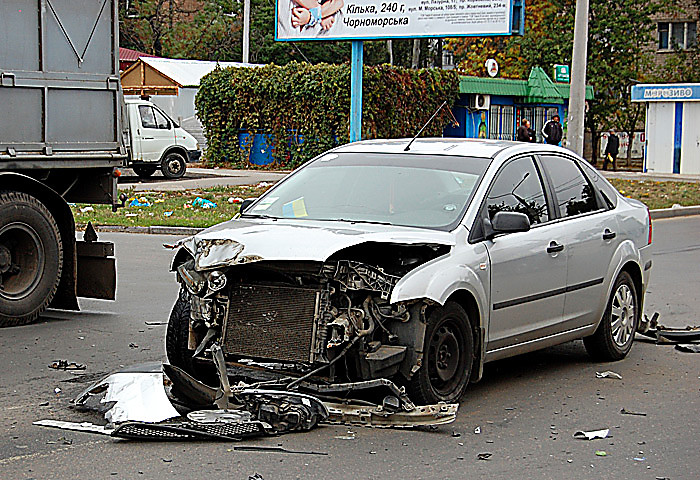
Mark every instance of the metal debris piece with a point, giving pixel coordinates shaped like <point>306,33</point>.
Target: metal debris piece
<point>592,435</point>
<point>608,374</point>
<point>477,430</point>
<point>484,456</point>
<point>375,416</point>
<point>188,389</point>
<point>78,427</point>
<point>66,365</point>
<point>262,448</point>
<point>135,394</point>
<point>688,347</point>
<point>255,476</point>
<point>629,412</point>
<point>220,416</point>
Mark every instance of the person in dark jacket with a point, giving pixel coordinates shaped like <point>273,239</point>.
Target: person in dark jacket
<point>611,150</point>
<point>524,131</point>
<point>552,131</point>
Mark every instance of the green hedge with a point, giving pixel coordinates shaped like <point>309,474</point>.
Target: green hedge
<point>312,102</point>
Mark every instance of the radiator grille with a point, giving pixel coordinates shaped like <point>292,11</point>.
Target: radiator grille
<point>271,322</point>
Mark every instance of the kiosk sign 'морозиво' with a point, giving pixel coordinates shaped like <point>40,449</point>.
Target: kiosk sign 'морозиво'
<point>367,19</point>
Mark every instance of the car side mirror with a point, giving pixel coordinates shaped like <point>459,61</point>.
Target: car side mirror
<point>509,222</point>
<point>506,222</point>
<point>246,203</point>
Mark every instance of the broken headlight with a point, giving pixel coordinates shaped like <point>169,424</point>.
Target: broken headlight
<point>193,281</point>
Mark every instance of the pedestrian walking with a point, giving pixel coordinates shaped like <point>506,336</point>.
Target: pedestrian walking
<point>552,131</point>
<point>611,150</point>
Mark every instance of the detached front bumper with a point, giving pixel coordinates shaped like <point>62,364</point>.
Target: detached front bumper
<point>193,155</point>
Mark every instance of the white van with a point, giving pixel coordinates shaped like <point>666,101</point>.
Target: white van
<point>157,141</point>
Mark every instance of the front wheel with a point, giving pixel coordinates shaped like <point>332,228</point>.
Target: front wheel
<point>448,355</point>
<point>173,166</point>
<point>613,338</point>
<point>31,258</point>
<point>178,332</point>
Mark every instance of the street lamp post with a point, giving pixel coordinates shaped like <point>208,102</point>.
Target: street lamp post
<point>577,98</point>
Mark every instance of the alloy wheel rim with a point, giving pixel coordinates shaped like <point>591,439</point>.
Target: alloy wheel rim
<point>622,316</point>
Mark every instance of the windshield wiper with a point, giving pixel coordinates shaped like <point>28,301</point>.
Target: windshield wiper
<point>373,222</point>
<point>258,215</point>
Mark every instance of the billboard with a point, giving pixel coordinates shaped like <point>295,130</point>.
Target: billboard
<point>366,19</point>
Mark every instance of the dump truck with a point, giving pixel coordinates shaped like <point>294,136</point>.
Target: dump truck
<point>63,136</point>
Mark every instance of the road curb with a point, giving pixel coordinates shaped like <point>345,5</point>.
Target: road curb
<point>184,231</point>
<point>675,212</point>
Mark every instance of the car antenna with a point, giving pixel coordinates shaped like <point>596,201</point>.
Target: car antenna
<point>455,124</point>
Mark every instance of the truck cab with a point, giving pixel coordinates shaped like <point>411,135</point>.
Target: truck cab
<point>158,142</point>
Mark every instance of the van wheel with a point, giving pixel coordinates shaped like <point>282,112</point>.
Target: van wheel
<point>448,355</point>
<point>614,336</point>
<point>173,166</point>
<point>31,258</point>
<point>144,171</point>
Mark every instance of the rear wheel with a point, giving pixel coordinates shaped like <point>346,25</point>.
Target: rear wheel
<point>448,355</point>
<point>173,165</point>
<point>144,171</point>
<point>31,258</point>
<point>615,334</point>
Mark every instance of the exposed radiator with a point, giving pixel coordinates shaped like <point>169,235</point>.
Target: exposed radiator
<point>272,322</point>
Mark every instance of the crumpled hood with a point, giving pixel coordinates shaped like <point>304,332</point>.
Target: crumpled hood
<point>244,241</point>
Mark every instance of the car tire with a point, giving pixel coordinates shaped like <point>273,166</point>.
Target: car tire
<point>178,334</point>
<point>448,356</point>
<point>613,338</point>
<point>144,171</point>
<point>31,258</point>
<point>173,166</point>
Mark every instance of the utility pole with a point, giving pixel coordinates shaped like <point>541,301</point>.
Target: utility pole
<point>246,30</point>
<point>577,98</point>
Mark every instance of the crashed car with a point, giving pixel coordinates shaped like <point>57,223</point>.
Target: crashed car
<point>419,265</point>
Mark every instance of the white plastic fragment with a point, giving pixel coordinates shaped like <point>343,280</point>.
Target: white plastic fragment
<point>608,374</point>
<point>592,435</point>
<point>477,430</point>
<point>78,427</point>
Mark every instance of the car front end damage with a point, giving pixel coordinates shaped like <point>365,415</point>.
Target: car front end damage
<point>306,319</point>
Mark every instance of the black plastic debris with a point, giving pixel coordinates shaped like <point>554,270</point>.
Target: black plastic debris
<point>484,456</point>
<point>188,431</point>
<point>624,411</point>
<point>66,365</point>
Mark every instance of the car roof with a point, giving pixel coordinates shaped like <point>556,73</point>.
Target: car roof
<point>467,147</point>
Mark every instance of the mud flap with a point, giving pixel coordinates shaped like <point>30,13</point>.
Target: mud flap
<point>96,270</point>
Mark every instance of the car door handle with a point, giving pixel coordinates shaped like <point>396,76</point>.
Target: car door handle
<point>147,138</point>
<point>554,247</point>
<point>609,234</point>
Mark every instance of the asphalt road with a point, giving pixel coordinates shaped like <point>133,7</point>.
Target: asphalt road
<point>527,408</point>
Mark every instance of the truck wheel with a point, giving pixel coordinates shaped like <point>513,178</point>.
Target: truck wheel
<point>448,354</point>
<point>173,165</point>
<point>177,335</point>
<point>31,258</point>
<point>144,171</point>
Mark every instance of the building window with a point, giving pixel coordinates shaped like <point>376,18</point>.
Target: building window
<point>677,35</point>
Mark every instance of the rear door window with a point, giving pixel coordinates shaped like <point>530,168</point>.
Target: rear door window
<point>607,191</point>
<point>573,193</point>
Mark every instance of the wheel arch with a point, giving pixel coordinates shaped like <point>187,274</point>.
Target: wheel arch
<point>468,302</point>
<point>65,297</point>
<point>634,271</point>
<point>174,149</point>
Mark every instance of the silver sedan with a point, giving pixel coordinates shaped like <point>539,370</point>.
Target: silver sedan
<point>419,266</point>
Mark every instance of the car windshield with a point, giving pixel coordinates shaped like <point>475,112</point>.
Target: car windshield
<point>412,190</point>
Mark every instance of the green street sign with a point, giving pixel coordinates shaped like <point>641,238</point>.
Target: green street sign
<point>561,73</point>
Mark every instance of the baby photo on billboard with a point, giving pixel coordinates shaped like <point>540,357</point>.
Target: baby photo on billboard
<point>307,18</point>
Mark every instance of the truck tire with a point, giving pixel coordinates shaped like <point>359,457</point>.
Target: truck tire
<point>173,166</point>
<point>144,171</point>
<point>31,258</point>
